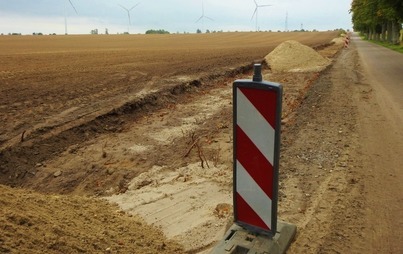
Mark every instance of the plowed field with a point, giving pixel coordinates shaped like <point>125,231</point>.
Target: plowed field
<point>47,82</point>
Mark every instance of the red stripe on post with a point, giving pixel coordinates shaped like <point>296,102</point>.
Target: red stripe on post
<point>264,101</point>
<point>247,215</point>
<point>258,167</point>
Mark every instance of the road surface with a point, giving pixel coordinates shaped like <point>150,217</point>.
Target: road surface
<point>380,128</point>
<point>384,66</point>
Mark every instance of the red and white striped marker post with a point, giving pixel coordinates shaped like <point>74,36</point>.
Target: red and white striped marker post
<point>257,119</point>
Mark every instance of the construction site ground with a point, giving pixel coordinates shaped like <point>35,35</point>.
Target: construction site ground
<point>117,144</point>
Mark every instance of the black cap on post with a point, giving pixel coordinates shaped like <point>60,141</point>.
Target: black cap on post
<point>257,73</point>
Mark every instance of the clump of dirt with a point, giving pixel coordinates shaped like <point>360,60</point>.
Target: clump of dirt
<point>292,56</point>
<point>35,223</point>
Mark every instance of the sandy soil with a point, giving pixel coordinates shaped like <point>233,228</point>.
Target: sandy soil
<point>165,157</point>
<point>35,223</point>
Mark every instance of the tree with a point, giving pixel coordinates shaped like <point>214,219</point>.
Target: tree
<point>378,20</point>
<point>160,31</point>
<point>198,31</point>
<point>94,31</point>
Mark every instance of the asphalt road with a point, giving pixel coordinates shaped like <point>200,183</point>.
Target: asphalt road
<point>384,67</point>
<point>380,121</point>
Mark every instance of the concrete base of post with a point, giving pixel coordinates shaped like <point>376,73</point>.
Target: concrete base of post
<point>239,241</point>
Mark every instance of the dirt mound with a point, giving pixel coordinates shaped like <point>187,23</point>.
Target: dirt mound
<point>338,40</point>
<point>292,56</point>
<point>68,224</point>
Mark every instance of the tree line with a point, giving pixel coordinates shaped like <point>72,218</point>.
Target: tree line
<point>378,19</point>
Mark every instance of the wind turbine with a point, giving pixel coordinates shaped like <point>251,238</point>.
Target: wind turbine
<point>202,17</point>
<point>65,14</point>
<point>128,14</point>
<point>256,12</point>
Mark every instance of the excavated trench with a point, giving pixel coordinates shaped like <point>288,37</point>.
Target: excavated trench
<point>19,162</point>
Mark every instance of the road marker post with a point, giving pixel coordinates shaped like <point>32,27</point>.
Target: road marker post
<point>347,41</point>
<point>257,119</point>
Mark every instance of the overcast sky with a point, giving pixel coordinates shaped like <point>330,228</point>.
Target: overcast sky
<point>48,16</point>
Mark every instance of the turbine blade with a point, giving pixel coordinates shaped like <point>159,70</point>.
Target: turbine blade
<point>254,13</point>
<point>199,19</point>
<point>124,8</point>
<point>73,6</point>
<point>209,18</point>
<point>255,3</point>
<point>264,5</point>
<point>134,6</point>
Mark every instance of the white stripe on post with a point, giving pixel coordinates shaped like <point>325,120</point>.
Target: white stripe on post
<point>258,130</point>
<point>251,192</point>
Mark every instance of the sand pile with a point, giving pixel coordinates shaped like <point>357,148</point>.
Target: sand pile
<point>292,56</point>
<point>35,223</point>
<point>339,40</point>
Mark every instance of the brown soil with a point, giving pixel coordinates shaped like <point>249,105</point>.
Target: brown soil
<point>57,92</point>
<point>97,119</point>
<point>35,223</point>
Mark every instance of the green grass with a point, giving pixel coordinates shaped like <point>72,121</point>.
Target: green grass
<point>398,48</point>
